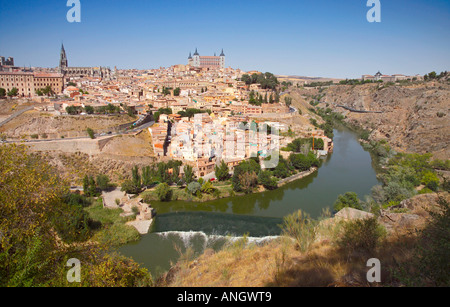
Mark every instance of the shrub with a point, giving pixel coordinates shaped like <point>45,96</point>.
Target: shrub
<point>242,170</point>
<point>208,188</point>
<point>164,192</point>
<point>222,171</point>
<point>135,210</point>
<point>265,178</point>
<point>129,187</point>
<point>74,199</point>
<point>103,182</point>
<point>435,246</point>
<point>430,180</point>
<point>90,132</point>
<point>430,266</point>
<point>193,187</point>
<point>188,174</point>
<point>365,135</point>
<point>300,227</point>
<point>71,222</point>
<point>349,199</point>
<point>361,235</point>
<point>282,169</point>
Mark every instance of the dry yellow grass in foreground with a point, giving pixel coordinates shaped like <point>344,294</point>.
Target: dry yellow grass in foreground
<point>281,264</point>
<point>336,256</point>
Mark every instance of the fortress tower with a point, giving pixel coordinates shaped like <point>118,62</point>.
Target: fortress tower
<point>197,60</point>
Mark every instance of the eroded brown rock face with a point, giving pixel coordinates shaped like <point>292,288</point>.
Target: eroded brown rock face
<point>412,213</point>
<point>415,118</point>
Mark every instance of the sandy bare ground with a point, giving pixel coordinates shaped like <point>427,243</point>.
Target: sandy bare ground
<point>110,198</point>
<point>141,226</point>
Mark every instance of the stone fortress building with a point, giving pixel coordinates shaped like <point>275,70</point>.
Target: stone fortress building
<point>197,60</point>
<point>81,72</point>
<point>6,62</point>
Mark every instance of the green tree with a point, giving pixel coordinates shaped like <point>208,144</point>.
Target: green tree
<point>92,187</point>
<point>176,92</point>
<point>2,92</point>
<point>147,178</point>
<point>103,182</point>
<point>281,170</point>
<point>48,91</point>
<point>265,178</point>
<point>188,174</point>
<point>194,187</point>
<point>129,187</point>
<point>430,180</point>
<point>89,109</point>
<point>349,199</point>
<point>13,92</point>
<point>208,188</point>
<point>288,101</point>
<point>91,133</point>
<point>361,235</point>
<point>243,169</point>
<point>164,192</point>
<point>222,171</point>
<point>136,177</point>
<point>32,209</point>
<point>85,184</point>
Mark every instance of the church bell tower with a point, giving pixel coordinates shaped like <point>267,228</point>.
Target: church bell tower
<point>63,63</point>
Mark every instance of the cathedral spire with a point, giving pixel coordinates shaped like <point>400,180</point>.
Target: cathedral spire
<point>63,63</point>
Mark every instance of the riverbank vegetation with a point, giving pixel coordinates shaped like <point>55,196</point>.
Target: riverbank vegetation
<point>325,252</point>
<point>402,176</point>
<point>165,182</point>
<point>42,226</point>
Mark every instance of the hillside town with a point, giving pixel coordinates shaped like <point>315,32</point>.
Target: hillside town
<point>203,112</point>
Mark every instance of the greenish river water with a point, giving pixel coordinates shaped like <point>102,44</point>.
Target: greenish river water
<point>179,224</point>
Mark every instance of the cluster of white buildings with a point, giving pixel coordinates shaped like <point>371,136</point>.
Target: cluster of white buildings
<point>205,140</point>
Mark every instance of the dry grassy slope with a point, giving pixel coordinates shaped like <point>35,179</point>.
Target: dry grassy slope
<point>116,159</point>
<point>139,145</point>
<point>415,118</point>
<point>33,122</point>
<point>279,263</point>
<point>8,106</point>
<point>300,100</point>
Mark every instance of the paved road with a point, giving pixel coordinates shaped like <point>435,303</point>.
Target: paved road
<point>137,129</point>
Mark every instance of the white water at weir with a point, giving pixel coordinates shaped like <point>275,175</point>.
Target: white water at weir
<point>191,238</point>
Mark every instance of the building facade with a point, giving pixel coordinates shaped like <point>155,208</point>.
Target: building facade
<point>81,72</point>
<point>214,62</point>
<point>6,62</point>
<point>28,82</point>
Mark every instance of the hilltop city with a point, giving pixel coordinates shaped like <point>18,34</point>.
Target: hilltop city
<point>223,100</point>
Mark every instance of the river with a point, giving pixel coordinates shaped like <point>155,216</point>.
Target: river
<point>181,224</point>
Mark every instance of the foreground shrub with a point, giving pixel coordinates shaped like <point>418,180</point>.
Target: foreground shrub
<point>301,227</point>
<point>433,262</point>
<point>362,235</point>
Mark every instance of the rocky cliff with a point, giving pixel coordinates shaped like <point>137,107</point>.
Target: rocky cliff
<point>414,118</point>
